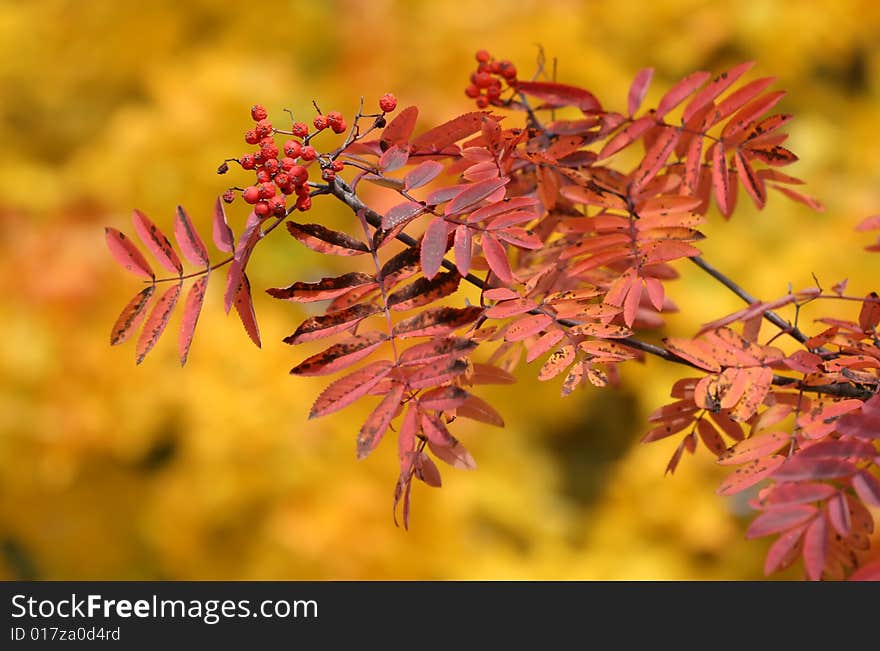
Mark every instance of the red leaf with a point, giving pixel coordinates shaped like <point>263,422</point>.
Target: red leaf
<point>869,572</point>
<point>472,194</point>
<point>749,113</point>
<point>398,131</point>
<point>435,375</point>
<point>710,436</point>
<point>127,254</point>
<point>638,90</point>
<point>156,241</point>
<point>496,256</point>
<point>394,158</point>
<point>324,325</point>
<point>797,469</point>
<point>244,305</point>
<point>323,240</point>
<point>751,182</point>
<point>655,158</point>
<point>249,237</point>
<point>679,92</point>
<point>478,409</point>
<point>378,421</point>
<point>815,204</point>
<point>627,136</point>
<point>189,240</point>
<point>749,475</point>
<point>781,519</point>
<point>436,350</point>
<point>692,166</point>
<point>433,246</point>
<point>424,291</point>
<point>696,351</point>
<point>739,98</point>
<point>427,471</point>
<point>449,132</point>
<point>437,321</point>
<point>408,427</point>
<point>192,307</point>
<point>815,548</point>
<point>867,487</point>
<point>221,232</point>
<point>341,355</point>
<point>720,179</point>
<point>132,316</point>
<point>869,315</point>
<point>527,326</point>
<point>839,449</point>
<point>346,390</point>
<point>463,247</point>
<point>788,493</point>
<point>300,292</point>
<point>422,174</point>
<point>784,550</point>
<point>513,307</point>
<point>560,95</point>
<point>401,213</point>
<point>443,398</point>
<point>838,514</point>
<point>714,88</point>
<point>156,322</point>
<point>560,360</point>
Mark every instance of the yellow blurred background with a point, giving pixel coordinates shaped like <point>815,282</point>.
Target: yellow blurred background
<point>108,471</point>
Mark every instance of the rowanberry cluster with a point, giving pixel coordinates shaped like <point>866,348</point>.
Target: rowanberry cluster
<point>283,172</point>
<point>488,81</point>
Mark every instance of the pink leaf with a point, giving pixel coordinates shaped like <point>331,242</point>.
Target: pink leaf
<point>189,240</point>
<point>244,305</point>
<point>473,194</point>
<point>679,92</point>
<point>378,421</point>
<point>496,256</point>
<point>714,88</point>
<point>401,213</point>
<point>157,242</point>
<point>784,550</point>
<point>394,158</point>
<point>132,316</point>
<point>156,322</point>
<point>127,254</point>
<point>638,90</point>
<point>720,179</point>
<point>867,487</point>
<point>220,230</point>
<point>781,519</point>
<point>349,388</point>
<point>750,474</point>
<point>815,548</point>
<point>463,249</point>
<point>191,309</point>
<point>422,174</point>
<point>433,246</point>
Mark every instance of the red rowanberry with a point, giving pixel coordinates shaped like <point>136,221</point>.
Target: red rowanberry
<point>251,194</point>
<point>482,79</point>
<point>298,174</point>
<point>303,203</point>
<point>263,175</point>
<point>267,190</point>
<point>229,196</point>
<point>328,175</point>
<point>247,162</point>
<point>272,165</point>
<point>270,150</point>
<point>287,163</point>
<point>264,128</point>
<point>276,206</point>
<point>387,102</point>
<point>339,127</point>
<point>337,166</point>
<point>472,91</point>
<point>251,137</point>
<point>282,179</point>
<point>483,56</point>
<point>300,129</point>
<point>262,209</point>
<point>258,112</point>
<point>320,122</point>
<point>482,102</point>
<point>292,148</point>
<point>308,153</point>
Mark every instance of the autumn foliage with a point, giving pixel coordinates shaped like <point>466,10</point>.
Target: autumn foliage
<point>545,227</point>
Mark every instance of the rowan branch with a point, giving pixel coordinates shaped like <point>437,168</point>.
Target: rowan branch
<point>342,191</point>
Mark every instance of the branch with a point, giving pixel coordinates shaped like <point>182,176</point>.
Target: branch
<point>342,191</point>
